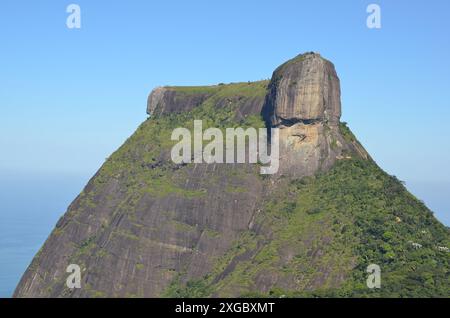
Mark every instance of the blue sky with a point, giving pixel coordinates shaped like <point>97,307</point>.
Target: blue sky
<point>70,97</point>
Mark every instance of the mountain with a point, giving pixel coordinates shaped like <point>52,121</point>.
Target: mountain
<point>147,227</point>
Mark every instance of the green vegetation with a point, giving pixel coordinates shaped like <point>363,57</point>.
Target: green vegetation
<point>244,89</point>
<point>346,132</point>
<point>139,266</point>
<point>182,227</point>
<point>351,216</point>
<point>235,189</point>
<point>192,289</point>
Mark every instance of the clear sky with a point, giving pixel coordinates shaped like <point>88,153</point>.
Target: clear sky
<point>70,97</point>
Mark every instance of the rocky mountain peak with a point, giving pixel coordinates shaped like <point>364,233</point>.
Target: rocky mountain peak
<point>304,89</point>
<point>303,100</point>
<point>146,227</point>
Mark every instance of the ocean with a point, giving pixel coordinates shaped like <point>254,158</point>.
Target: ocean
<point>30,207</point>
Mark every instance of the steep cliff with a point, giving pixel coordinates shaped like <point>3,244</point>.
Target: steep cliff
<point>146,227</point>
<point>304,102</point>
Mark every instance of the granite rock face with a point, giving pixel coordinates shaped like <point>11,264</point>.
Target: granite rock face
<point>172,100</point>
<point>163,100</point>
<point>304,102</point>
<point>143,222</point>
<point>133,240</point>
<point>305,89</point>
<point>146,227</point>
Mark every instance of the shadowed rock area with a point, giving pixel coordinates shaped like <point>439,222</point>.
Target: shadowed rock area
<point>146,227</point>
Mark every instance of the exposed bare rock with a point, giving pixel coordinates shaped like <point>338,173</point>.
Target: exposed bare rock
<point>304,102</point>
<point>172,99</point>
<point>164,100</point>
<point>304,89</point>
